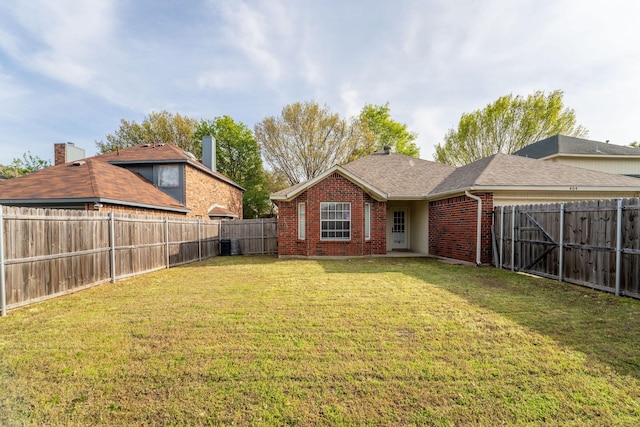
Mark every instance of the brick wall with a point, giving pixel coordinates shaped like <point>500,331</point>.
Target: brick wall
<point>203,191</point>
<point>59,154</point>
<point>452,227</point>
<point>334,188</point>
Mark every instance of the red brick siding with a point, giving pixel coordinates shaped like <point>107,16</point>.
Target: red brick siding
<point>334,188</point>
<point>203,191</point>
<point>452,227</point>
<point>59,154</point>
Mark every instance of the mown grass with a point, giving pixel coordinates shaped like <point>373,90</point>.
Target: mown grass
<point>260,341</point>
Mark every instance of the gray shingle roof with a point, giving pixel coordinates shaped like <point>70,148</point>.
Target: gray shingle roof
<point>562,144</point>
<point>515,171</point>
<point>399,175</point>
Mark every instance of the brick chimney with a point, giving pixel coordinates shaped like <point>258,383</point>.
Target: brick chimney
<point>63,153</point>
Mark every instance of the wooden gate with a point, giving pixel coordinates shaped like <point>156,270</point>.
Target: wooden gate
<point>591,243</point>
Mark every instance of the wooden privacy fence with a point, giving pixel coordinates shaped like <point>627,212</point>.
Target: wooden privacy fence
<point>594,243</point>
<point>47,252</point>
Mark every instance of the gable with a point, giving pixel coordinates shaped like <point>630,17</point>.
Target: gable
<point>294,191</point>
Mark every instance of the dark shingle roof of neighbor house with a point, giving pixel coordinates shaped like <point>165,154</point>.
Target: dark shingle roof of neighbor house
<point>159,153</point>
<point>399,175</point>
<point>569,145</point>
<point>88,181</point>
<point>503,170</point>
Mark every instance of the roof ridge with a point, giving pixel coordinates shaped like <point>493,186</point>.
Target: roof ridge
<point>91,172</point>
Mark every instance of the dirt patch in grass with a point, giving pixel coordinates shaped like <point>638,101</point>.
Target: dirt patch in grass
<point>259,341</point>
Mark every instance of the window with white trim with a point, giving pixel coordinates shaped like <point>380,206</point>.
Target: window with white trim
<point>301,221</point>
<point>335,221</point>
<point>367,221</point>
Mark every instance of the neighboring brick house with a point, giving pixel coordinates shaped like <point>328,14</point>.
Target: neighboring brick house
<point>389,202</point>
<point>158,179</point>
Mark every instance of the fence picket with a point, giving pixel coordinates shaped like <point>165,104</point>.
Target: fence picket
<point>597,245</point>
<point>49,252</point>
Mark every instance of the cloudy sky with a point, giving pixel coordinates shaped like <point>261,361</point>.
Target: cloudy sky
<point>71,69</point>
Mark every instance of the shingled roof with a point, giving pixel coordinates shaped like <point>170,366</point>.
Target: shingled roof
<point>503,170</point>
<point>401,177</point>
<point>87,181</point>
<point>159,153</point>
<point>569,145</point>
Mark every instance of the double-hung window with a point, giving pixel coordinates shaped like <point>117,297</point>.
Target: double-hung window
<point>335,221</point>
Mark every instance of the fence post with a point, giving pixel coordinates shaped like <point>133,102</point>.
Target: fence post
<point>199,242</point>
<point>262,246</point>
<point>219,237</point>
<point>112,246</point>
<point>618,247</point>
<point>561,244</point>
<point>501,236</point>
<point>513,238</point>
<point>166,239</point>
<point>3,288</point>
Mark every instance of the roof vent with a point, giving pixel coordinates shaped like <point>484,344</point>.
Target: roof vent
<point>387,149</point>
<point>79,163</point>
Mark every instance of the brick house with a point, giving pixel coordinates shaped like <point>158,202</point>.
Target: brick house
<point>156,179</point>
<point>389,202</point>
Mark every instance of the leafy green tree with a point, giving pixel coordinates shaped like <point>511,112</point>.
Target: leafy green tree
<point>635,144</point>
<point>238,157</point>
<point>507,125</point>
<point>377,129</point>
<point>157,127</point>
<point>24,166</point>
<point>304,141</point>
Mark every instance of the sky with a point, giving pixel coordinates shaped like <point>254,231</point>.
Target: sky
<point>70,70</point>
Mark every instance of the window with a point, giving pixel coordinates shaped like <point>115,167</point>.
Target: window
<point>335,221</point>
<point>301,221</point>
<point>169,176</point>
<point>367,221</point>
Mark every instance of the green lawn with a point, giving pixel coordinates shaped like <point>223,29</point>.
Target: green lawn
<point>260,341</point>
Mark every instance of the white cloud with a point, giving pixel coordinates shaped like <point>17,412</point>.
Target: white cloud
<point>255,33</point>
<point>59,39</point>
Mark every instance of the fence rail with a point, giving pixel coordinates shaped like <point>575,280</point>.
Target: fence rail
<point>594,243</point>
<point>45,253</point>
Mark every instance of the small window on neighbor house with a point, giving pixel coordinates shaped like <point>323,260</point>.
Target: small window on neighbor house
<point>335,221</point>
<point>301,221</point>
<point>367,221</point>
<point>169,176</point>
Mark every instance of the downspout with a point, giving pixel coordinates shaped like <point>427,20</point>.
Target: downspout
<point>479,228</point>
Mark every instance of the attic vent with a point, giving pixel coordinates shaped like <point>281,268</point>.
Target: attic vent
<point>189,155</point>
<point>387,149</point>
<point>79,163</point>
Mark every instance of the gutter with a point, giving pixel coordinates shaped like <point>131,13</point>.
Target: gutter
<point>38,202</point>
<point>478,228</point>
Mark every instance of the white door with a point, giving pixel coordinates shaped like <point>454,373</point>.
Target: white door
<point>399,229</point>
